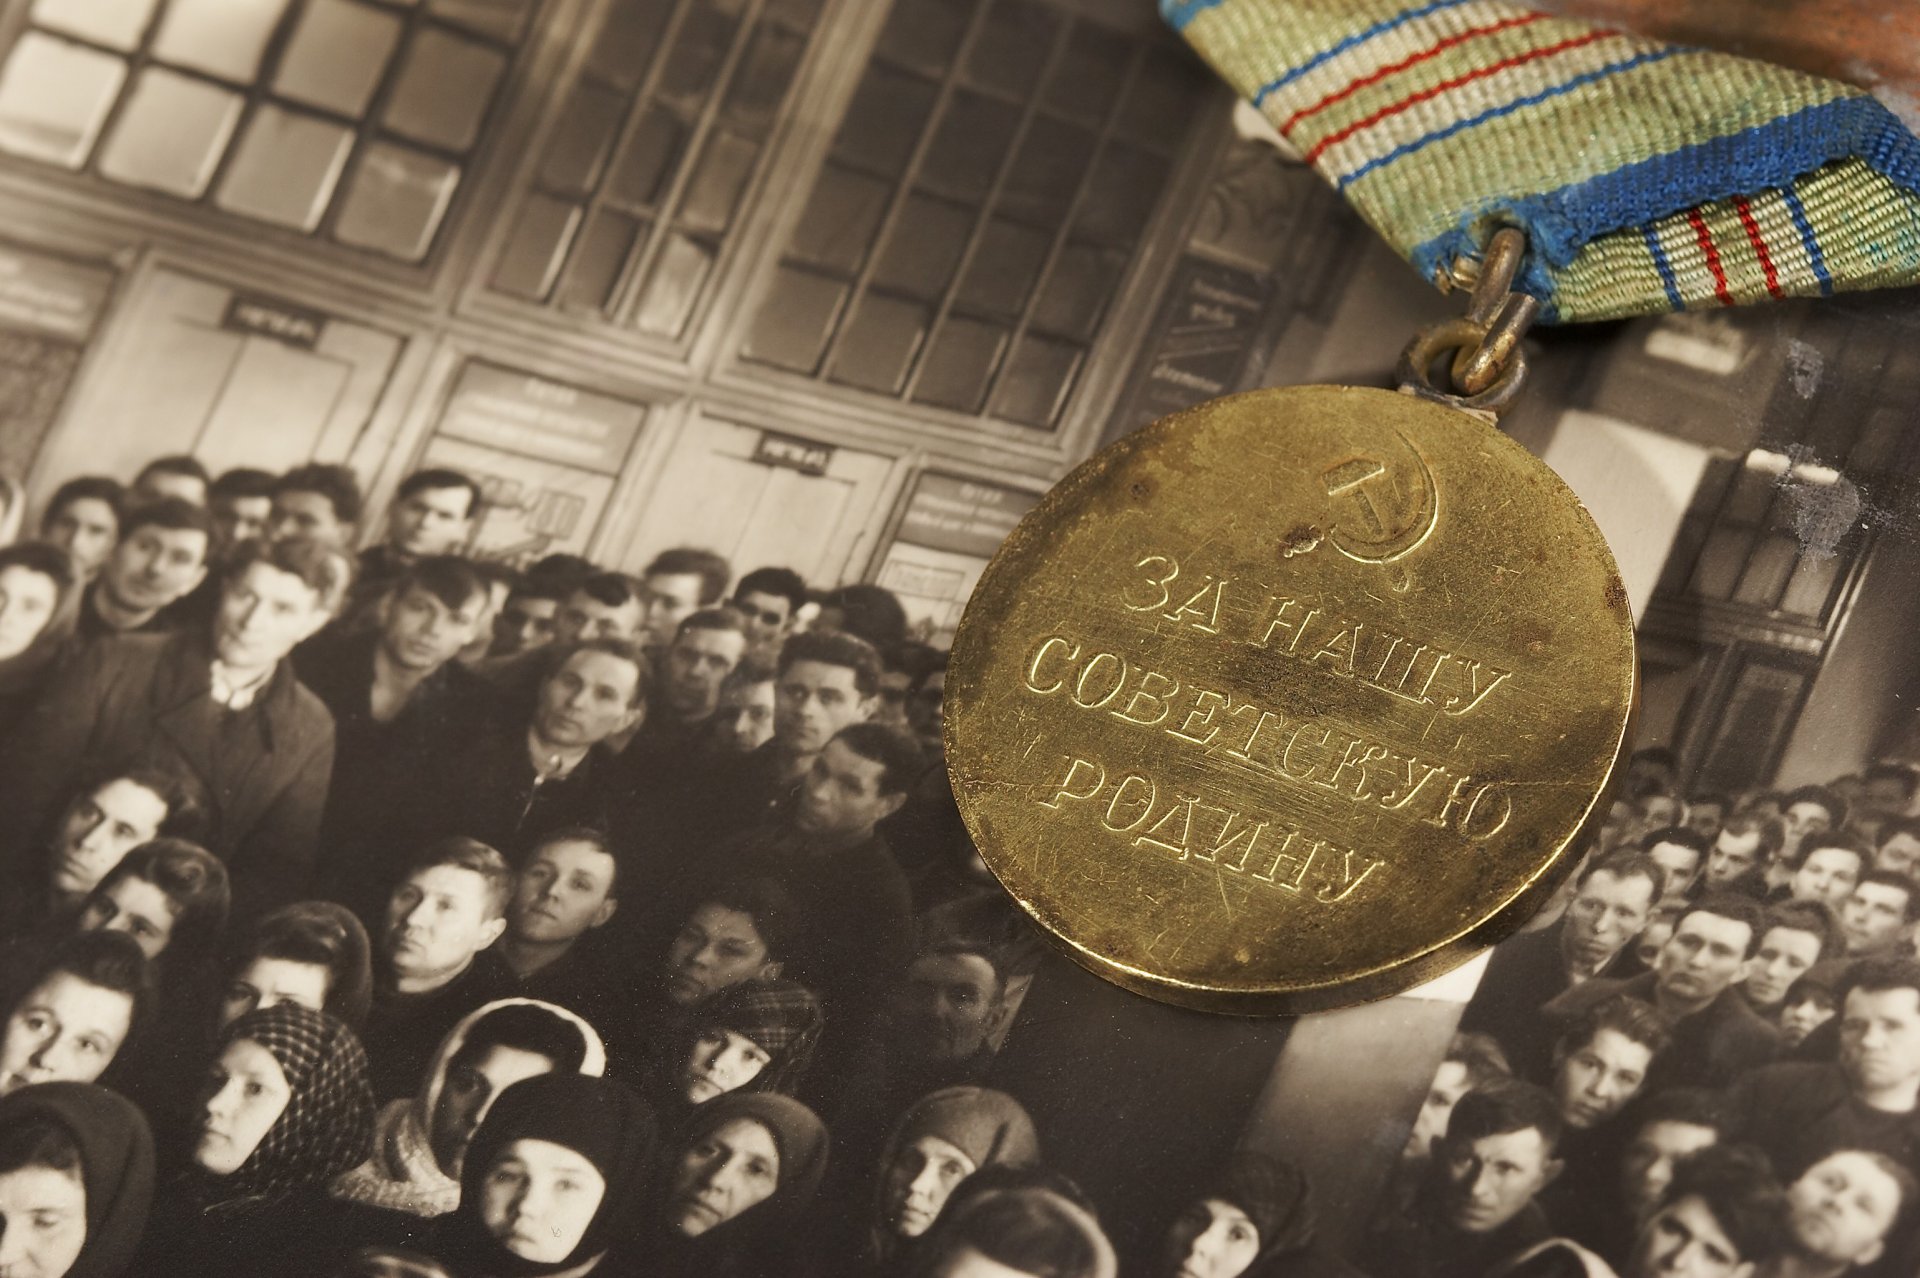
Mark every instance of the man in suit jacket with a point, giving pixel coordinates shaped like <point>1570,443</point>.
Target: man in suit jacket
<point>223,706</point>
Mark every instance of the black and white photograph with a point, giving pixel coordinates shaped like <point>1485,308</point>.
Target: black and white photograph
<point>487,492</point>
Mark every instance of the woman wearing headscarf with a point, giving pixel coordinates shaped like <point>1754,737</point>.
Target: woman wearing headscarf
<point>1030,1223</point>
<point>285,1108</point>
<point>39,605</point>
<point>737,1185</point>
<point>944,1138</point>
<point>558,1176</point>
<point>1254,1219</point>
<point>99,1152</point>
<point>758,1036</point>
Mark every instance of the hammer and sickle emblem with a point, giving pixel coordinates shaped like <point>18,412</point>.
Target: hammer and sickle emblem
<point>1382,508</point>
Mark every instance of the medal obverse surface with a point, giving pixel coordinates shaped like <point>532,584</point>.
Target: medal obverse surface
<point>1292,700</point>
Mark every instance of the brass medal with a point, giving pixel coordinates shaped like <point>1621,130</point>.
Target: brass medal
<point>1291,700</point>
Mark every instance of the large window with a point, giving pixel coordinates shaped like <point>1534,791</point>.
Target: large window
<point>353,120</point>
<point>645,171</point>
<point>983,197</point>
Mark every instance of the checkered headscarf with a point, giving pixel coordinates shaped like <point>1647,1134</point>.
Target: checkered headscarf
<point>327,1125</point>
<point>782,1017</point>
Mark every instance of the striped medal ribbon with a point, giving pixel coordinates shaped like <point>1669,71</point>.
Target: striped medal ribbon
<point>1648,176</point>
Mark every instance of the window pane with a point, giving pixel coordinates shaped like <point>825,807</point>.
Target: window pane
<point>924,34</point>
<point>1121,195</point>
<point>959,364</point>
<point>336,55</point>
<point>651,154</point>
<point>117,23</point>
<point>1077,291</point>
<point>1012,48</point>
<point>888,113</point>
<point>1812,582</point>
<point>799,14</point>
<point>502,20</point>
<point>1752,493</point>
<point>722,174</point>
<point>285,168</point>
<point>170,133</point>
<point>577,150</point>
<point>396,201</point>
<point>221,37</point>
<point>630,37</point>
<point>596,263</point>
<point>760,81</point>
<point>1088,76</point>
<point>1720,562</point>
<point>678,275</point>
<point>1767,570</point>
<point>924,247</point>
<point>1046,172</point>
<point>879,343</point>
<point>792,326</point>
<point>969,146</point>
<point>531,261</point>
<point>444,90</point>
<point>54,97</point>
<point>1004,269</point>
<point>1035,382</point>
<point>1163,99</point>
<point>841,219</point>
<point>701,46</point>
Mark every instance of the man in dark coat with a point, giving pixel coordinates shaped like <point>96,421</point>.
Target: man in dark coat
<point>225,708</point>
<point>1592,940</point>
<point>397,695</point>
<point>1797,1113</point>
<point>1716,1036</point>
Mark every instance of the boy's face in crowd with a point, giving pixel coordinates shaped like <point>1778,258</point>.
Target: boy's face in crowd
<point>923,708</point>
<point>307,515</point>
<point>949,1004</point>
<point>564,892</point>
<point>1784,956</point>
<point>1731,856</point>
<point>1685,1240</point>
<point>716,949</point>
<point>669,598</point>
<point>525,622</point>
<point>100,828</point>
<point>841,795</point>
<point>1842,1208</point>
<point>1450,1083</point>
<point>1827,875</point>
<point>1900,853</point>
<point>238,519</point>
<point>157,484</point>
<point>1646,1165</point>
<point>1679,864</point>
<point>153,566</point>
<point>812,701</point>
<point>721,1061</point>
<point>1880,1038</point>
<point>721,1175</point>
<point>1802,821</point>
<point>264,612</point>
<point>1874,918</point>
<point>1657,811</point>
<point>1489,1181</point>
<point>767,618</point>
<point>584,617</point>
<point>589,698</point>
<point>1594,1080</point>
<point>697,664</point>
<point>475,1078</point>
<point>420,632</point>
<point>1705,954</point>
<point>539,1198</point>
<point>744,719</point>
<point>64,1029</point>
<point>437,920</point>
<point>1607,911</point>
<point>86,529</point>
<point>27,601</point>
<point>269,982</point>
<point>136,907</point>
<point>1705,819</point>
<point>1653,938</point>
<point>1802,1015</point>
<point>243,1097</point>
<point>432,521</point>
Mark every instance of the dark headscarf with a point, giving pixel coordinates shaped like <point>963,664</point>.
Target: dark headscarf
<point>782,1017</point>
<point>989,1127</point>
<point>737,1246</point>
<point>116,1165</point>
<point>598,1119</point>
<point>327,1125</point>
<point>1276,1197</point>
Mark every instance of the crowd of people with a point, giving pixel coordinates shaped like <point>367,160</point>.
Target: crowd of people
<point>1702,1059</point>
<point>377,908</point>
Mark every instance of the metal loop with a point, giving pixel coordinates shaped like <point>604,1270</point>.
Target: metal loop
<point>1498,267</point>
<point>1478,368</point>
<point>1415,369</point>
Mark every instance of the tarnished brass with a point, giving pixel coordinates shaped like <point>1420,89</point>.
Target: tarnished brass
<point>1291,700</point>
